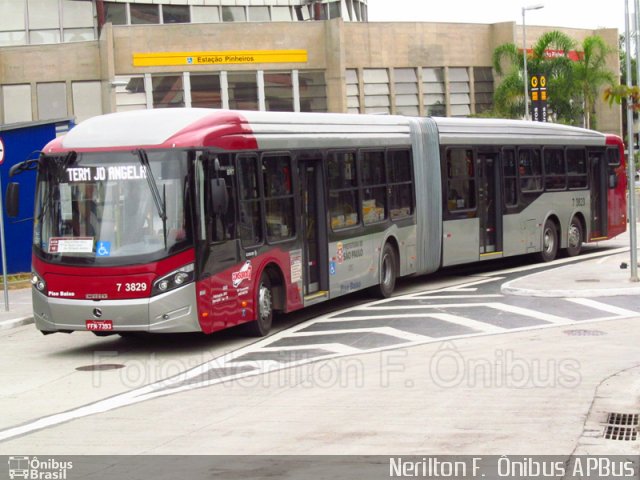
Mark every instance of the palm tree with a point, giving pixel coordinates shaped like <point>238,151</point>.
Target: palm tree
<point>591,73</point>
<point>567,92</point>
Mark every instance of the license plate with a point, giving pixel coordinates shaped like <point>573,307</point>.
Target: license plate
<point>99,325</point>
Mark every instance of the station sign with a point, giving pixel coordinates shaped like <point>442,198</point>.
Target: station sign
<point>539,97</point>
<point>167,59</point>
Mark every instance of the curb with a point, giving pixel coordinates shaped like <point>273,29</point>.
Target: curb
<point>600,292</point>
<point>15,322</point>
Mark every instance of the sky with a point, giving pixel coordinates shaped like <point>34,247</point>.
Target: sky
<point>556,13</point>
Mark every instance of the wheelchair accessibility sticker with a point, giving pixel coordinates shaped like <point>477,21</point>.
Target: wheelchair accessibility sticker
<point>103,249</point>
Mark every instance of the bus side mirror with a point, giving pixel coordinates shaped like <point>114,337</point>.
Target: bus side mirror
<point>613,180</point>
<point>12,199</point>
<point>219,196</point>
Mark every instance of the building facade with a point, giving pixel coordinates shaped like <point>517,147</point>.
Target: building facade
<point>75,58</point>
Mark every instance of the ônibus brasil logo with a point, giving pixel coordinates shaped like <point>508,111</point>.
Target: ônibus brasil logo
<point>35,469</point>
<point>243,274</point>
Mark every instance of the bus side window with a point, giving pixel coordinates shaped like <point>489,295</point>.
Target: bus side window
<point>222,225</point>
<point>461,183</point>
<point>400,181</point>
<point>343,190</point>
<point>530,170</point>
<point>250,214</point>
<point>510,177</point>
<point>279,206</point>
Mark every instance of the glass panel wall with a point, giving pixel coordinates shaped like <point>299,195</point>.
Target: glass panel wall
<point>353,91</point>
<point>433,88</point>
<point>376,90</point>
<point>483,86</point>
<point>167,91</point>
<point>205,90</point>
<point>459,89</point>
<point>313,91</point>
<point>278,91</point>
<point>52,100</point>
<point>130,93</point>
<point>142,14</point>
<point>16,103</point>
<point>406,90</point>
<point>175,14</point>
<point>243,90</point>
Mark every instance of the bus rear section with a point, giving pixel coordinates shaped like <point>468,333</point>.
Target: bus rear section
<point>512,188</point>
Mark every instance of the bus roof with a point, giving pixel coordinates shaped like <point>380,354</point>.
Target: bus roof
<point>199,127</point>
<point>492,131</point>
<point>250,130</point>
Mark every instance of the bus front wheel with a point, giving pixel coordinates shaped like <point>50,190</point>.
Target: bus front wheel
<point>388,272</point>
<point>549,242</point>
<point>575,239</point>
<point>264,309</point>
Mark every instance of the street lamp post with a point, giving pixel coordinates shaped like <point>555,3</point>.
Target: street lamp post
<point>524,55</point>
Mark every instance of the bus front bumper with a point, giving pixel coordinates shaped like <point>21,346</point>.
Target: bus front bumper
<point>171,312</point>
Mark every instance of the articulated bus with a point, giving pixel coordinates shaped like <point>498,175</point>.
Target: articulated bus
<point>184,220</point>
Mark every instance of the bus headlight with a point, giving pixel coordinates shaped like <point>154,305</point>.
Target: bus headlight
<point>175,279</point>
<point>38,282</point>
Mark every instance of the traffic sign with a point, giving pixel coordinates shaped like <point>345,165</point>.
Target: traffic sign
<point>1,151</point>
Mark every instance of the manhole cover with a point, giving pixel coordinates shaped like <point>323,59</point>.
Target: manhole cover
<point>584,333</point>
<point>100,367</point>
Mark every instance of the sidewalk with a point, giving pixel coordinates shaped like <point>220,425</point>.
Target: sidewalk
<point>20,308</point>
<point>600,277</point>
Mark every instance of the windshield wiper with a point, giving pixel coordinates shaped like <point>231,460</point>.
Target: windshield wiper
<point>153,186</point>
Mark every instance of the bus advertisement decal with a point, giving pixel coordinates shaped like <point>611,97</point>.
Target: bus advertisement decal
<point>241,275</point>
<point>295,262</point>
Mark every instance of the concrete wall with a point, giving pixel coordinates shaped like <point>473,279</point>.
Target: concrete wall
<point>332,46</point>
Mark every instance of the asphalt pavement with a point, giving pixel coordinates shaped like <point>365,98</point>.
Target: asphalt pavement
<point>577,376</point>
<point>608,275</point>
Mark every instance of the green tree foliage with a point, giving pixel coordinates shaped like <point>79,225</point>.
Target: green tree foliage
<point>572,86</point>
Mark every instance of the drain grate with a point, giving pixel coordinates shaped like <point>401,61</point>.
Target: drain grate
<point>622,426</point>
<point>632,419</point>
<point>588,280</point>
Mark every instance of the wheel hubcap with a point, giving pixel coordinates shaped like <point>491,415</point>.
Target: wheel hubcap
<point>264,302</point>
<point>386,270</point>
<point>548,241</point>
<point>574,236</point>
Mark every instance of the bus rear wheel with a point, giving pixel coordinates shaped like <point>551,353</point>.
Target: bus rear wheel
<point>264,309</point>
<point>549,242</point>
<point>575,238</point>
<point>388,272</point>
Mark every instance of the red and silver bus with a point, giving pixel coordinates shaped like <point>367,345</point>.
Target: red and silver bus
<point>185,220</point>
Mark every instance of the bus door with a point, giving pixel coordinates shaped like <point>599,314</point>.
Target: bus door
<point>488,203</point>
<point>598,182</point>
<point>313,225</point>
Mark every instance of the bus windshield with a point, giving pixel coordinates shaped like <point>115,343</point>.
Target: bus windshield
<point>100,207</point>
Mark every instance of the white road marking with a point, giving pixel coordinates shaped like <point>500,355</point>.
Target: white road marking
<point>587,302</point>
<point>390,331</point>
<point>526,312</point>
<point>467,322</point>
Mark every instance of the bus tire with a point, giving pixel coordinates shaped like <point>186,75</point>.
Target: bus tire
<point>575,238</point>
<point>388,271</point>
<point>549,242</point>
<point>264,309</point>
